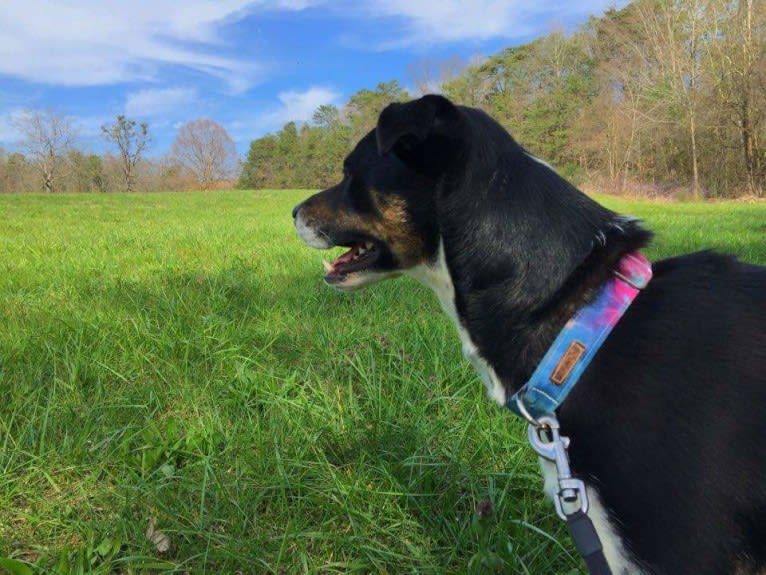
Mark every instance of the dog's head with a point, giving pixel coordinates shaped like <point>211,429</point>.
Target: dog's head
<point>384,208</point>
<point>435,174</point>
<point>444,192</point>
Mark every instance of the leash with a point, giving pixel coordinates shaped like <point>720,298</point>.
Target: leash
<point>553,380</point>
<point>588,544</point>
<point>572,498</point>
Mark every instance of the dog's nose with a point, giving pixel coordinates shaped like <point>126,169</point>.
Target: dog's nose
<point>295,210</point>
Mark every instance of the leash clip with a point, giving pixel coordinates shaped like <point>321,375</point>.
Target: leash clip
<point>549,444</point>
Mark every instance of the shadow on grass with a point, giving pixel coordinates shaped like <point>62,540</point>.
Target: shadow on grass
<point>470,516</point>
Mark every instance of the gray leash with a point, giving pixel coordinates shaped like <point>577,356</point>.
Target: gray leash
<point>548,443</point>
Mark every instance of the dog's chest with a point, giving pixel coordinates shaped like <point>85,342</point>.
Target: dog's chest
<point>437,277</point>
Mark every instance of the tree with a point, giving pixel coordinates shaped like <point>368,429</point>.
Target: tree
<point>658,97</point>
<point>86,173</point>
<point>428,75</point>
<point>739,80</point>
<point>365,106</point>
<point>676,33</point>
<point>46,136</point>
<point>327,116</point>
<point>259,168</point>
<point>131,141</point>
<point>205,148</point>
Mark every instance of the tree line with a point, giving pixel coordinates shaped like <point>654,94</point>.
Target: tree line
<point>660,97</point>
<point>203,156</point>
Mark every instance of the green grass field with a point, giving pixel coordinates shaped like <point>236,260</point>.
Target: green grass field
<point>174,360</point>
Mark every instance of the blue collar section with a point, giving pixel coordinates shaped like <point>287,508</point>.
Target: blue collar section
<point>580,340</point>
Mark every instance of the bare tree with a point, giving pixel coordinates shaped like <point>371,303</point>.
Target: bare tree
<point>734,58</point>
<point>421,74</point>
<point>46,136</point>
<point>676,32</point>
<point>205,148</point>
<point>131,140</point>
<point>429,74</point>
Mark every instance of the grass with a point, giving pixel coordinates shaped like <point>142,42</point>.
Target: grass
<point>173,360</point>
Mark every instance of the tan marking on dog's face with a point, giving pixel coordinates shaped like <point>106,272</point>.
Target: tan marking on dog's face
<point>389,224</point>
<point>744,568</point>
<point>380,206</point>
<point>318,213</point>
<point>396,230</point>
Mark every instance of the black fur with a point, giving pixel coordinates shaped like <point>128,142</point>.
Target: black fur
<point>669,420</point>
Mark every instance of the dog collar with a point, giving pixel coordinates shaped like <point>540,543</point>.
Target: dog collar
<point>580,340</point>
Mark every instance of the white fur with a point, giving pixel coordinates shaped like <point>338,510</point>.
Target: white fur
<point>539,161</point>
<point>357,280</point>
<point>310,235</point>
<point>617,556</point>
<point>437,277</point>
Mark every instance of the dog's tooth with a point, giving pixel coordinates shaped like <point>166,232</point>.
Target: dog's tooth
<point>327,266</point>
<point>368,245</point>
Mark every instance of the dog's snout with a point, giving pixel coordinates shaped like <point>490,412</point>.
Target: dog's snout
<point>295,210</point>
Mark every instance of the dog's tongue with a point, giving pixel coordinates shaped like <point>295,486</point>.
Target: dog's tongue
<point>347,257</point>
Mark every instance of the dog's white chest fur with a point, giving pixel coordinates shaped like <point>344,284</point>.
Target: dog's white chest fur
<point>437,277</point>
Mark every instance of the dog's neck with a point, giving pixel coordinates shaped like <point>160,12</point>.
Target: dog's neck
<point>523,336</point>
<point>506,324</point>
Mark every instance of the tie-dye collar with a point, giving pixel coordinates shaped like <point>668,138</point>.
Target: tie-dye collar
<point>580,340</point>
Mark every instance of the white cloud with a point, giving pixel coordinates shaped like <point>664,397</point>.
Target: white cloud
<point>87,43</point>
<point>424,22</point>
<point>300,106</point>
<point>159,102</point>
<point>453,19</point>
<point>295,106</point>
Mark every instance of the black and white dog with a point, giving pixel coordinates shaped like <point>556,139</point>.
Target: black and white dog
<point>668,423</point>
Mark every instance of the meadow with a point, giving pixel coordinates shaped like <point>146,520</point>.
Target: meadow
<point>180,393</point>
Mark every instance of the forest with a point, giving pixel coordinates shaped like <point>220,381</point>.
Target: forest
<point>660,98</point>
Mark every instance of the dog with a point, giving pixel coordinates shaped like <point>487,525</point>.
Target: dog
<point>668,422</point>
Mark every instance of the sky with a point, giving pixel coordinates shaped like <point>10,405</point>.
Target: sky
<point>250,65</point>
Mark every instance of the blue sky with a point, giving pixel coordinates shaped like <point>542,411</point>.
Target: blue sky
<point>251,65</point>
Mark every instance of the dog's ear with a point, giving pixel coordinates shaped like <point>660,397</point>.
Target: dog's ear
<point>410,125</point>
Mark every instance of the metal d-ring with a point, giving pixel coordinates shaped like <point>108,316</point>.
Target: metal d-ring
<point>525,414</point>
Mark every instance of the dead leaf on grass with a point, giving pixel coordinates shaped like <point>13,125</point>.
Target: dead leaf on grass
<point>160,541</point>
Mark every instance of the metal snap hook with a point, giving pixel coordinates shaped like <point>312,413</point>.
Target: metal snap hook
<point>548,443</point>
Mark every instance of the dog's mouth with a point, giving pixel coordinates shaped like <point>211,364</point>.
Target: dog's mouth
<point>362,255</point>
